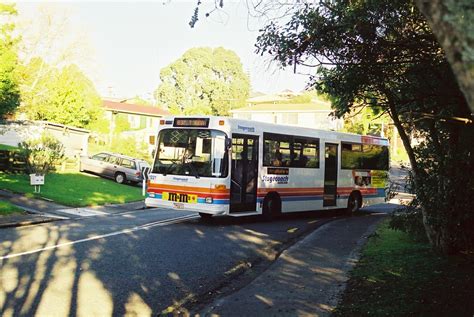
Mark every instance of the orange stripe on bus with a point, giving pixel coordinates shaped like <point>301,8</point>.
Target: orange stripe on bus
<point>189,188</point>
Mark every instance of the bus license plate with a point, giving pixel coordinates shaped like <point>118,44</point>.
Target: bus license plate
<point>181,198</point>
<point>178,205</point>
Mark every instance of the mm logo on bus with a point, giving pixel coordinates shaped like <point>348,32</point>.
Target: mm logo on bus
<point>182,198</point>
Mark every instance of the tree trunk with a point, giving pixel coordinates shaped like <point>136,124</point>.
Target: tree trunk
<point>437,238</point>
<point>405,139</point>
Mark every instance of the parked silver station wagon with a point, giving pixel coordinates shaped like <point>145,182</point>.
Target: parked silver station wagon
<point>119,167</point>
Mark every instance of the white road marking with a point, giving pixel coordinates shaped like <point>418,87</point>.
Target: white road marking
<point>53,216</point>
<point>160,223</point>
<point>83,212</point>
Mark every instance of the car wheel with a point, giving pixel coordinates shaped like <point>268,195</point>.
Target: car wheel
<point>120,178</point>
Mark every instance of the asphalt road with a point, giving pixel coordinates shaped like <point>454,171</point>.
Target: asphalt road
<point>138,263</point>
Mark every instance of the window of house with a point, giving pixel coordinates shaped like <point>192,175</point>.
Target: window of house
<point>151,139</point>
<point>289,118</point>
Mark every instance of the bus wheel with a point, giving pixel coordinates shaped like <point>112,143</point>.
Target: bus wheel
<point>120,178</point>
<point>354,203</point>
<point>205,216</point>
<point>271,207</point>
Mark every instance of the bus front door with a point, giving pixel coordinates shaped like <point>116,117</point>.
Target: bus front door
<point>330,174</point>
<point>244,173</point>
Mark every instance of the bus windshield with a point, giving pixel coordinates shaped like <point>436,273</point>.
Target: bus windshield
<point>192,152</point>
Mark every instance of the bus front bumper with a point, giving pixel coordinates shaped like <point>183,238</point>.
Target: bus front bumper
<point>214,209</point>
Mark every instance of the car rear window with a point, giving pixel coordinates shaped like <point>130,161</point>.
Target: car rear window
<point>128,164</point>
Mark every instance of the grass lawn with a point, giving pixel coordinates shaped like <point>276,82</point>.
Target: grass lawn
<point>7,147</point>
<point>74,189</point>
<point>399,277</point>
<point>7,209</point>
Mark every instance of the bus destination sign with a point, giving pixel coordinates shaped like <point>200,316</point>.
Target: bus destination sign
<point>191,122</point>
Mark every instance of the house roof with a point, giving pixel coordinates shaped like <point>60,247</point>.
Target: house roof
<point>254,94</point>
<point>123,107</point>
<point>286,107</point>
<point>266,98</point>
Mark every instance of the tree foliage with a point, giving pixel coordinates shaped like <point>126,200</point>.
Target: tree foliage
<point>63,96</point>
<point>9,94</point>
<point>382,54</point>
<point>203,81</point>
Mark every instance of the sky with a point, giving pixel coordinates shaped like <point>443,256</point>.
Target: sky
<point>128,43</point>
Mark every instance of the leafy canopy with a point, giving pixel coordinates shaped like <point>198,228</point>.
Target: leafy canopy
<point>63,96</point>
<point>204,81</point>
<point>9,94</point>
<point>382,54</point>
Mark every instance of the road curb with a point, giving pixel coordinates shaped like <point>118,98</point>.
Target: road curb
<point>27,223</point>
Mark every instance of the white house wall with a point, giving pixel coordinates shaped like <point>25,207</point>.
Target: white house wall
<point>75,142</point>
<point>263,117</point>
<point>13,134</point>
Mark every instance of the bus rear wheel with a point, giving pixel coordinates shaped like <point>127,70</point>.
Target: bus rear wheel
<point>354,203</point>
<point>271,207</point>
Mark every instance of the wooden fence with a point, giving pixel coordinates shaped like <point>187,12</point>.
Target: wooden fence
<point>12,162</point>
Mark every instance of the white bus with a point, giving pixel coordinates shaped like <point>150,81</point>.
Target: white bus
<point>225,166</point>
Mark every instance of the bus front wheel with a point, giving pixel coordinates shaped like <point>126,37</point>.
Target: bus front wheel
<point>205,216</point>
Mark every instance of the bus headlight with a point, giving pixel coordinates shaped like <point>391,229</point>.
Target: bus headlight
<point>209,200</point>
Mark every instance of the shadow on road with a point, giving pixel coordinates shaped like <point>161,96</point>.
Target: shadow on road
<point>139,272</point>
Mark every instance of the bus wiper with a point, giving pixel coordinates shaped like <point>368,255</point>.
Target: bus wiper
<point>193,169</point>
<point>168,169</point>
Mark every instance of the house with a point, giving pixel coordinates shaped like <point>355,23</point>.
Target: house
<point>143,120</point>
<point>139,116</point>
<point>311,115</point>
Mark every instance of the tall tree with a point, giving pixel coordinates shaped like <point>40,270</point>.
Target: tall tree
<point>452,21</point>
<point>65,96</point>
<point>49,44</point>
<point>9,94</point>
<point>204,81</point>
<point>382,54</point>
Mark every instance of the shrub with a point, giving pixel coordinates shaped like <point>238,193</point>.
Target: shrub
<point>42,154</point>
<point>410,220</point>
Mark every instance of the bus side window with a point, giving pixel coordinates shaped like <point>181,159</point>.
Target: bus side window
<point>284,151</point>
<point>311,153</point>
<point>289,151</point>
<point>269,152</point>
